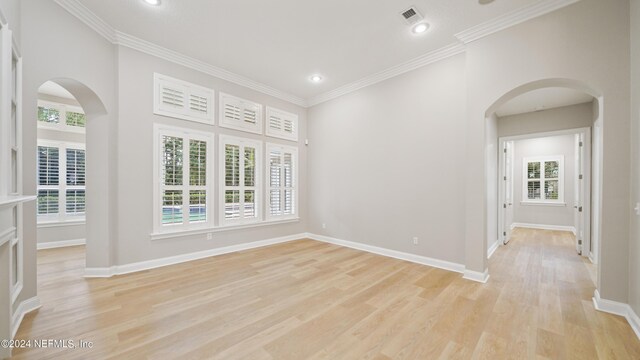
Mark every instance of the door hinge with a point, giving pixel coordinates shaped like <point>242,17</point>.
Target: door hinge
<point>579,242</point>
<point>504,206</point>
<point>504,150</point>
<point>505,178</point>
<point>580,143</point>
<point>579,208</point>
<point>504,233</point>
<point>580,177</point>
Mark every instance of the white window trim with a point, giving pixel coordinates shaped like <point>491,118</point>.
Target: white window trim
<point>185,113</point>
<point>282,134</point>
<point>255,129</point>
<point>525,181</point>
<point>161,130</point>
<point>242,143</point>
<point>62,125</point>
<point>62,217</point>
<point>294,151</point>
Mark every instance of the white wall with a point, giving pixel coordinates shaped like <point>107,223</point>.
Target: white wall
<point>544,214</point>
<point>385,163</point>
<point>634,244</point>
<point>492,157</point>
<point>562,118</point>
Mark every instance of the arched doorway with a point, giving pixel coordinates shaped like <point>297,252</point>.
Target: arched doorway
<point>96,153</point>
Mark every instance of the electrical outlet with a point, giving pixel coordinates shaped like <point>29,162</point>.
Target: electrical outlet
<point>637,209</point>
<point>324,226</point>
<point>415,240</point>
<point>209,236</point>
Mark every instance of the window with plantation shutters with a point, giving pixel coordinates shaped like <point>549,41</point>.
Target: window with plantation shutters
<point>240,114</point>
<point>61,173</point>
<point>543,180</point>
<point>183,195</point>
<point>282,124</point>
<point>182,100</point>
<point>282,170</point>
<point>240,166</point>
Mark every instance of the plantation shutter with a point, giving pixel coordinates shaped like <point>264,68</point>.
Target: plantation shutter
<point>240,114</point>
<point>282,124</point>
<point>182,100</point>
<point>282,169</point>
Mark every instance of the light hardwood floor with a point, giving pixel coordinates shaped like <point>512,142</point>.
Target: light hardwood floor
<point>310,300</point>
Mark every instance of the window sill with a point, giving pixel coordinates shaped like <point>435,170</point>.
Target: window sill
<point>190,232</point>
<point>542,203</point>
<point>50,224</point>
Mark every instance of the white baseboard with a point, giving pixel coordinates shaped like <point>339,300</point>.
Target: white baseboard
<point>493,249</point>
<point>617,308</point>
<point>544,227</point>
<point>25,307</point>
<point>172,260</point>
<point>419,259</point>
<point>481,277</point>
<point>60,244</point>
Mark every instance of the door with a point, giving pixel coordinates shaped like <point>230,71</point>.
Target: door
<point>579,196</point>
<point>507,178</point>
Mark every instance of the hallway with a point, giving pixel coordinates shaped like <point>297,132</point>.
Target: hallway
<point>307,299</point>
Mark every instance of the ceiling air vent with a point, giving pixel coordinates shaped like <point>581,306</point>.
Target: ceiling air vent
<point>411,16</point>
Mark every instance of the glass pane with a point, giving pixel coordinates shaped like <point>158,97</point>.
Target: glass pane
<point>197,163</point>
<point>172,207</point>
<point>274,169</point>
<point>533,188</point>
<point>76,119</point>
<point>172,160</point>
<point>249,166</point>
<point>274,202</point>
<point>232,165</point>
<point>75,167</point>
<point>551,169</point>
<point>231,204</point>
<point>47,202</point>
<point>551,189</point>
<point>75,202</point>
<point>197,206</point>
<point>533,170</point>
<point>48,115</point>
<point>249,204</point>
<point>48,165</point>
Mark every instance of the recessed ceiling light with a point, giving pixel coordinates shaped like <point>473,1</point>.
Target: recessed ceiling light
<point>316,78</point>
<point>152,2</point>
<point>485,2</point>
<point>420,28</point>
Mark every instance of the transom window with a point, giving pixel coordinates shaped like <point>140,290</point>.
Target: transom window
<point>183,191</point>
<point>62,117</point>
<point>543,180</point>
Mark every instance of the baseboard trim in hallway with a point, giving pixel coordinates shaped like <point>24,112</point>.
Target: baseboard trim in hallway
<point>544,227</point>
<point>60,244</point>
<point>617,308</point>
<point>481,277</point>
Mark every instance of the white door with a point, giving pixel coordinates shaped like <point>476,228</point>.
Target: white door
<point>507,177</point>
<point>578,221</point>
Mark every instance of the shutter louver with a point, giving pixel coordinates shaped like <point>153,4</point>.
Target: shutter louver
<point>240,114</point>
<point>282,124</point>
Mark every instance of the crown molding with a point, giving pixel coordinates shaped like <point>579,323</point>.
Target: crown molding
<point>77,9</point>
<point>426,59</point>
<point>511,19</point>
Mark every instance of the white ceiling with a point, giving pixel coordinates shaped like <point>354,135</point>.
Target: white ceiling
<point>53,89</point>
<point>282,42</point>
<point>543,99</point>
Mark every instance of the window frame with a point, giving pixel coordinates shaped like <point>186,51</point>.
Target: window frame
<point>295,163</point>
<point>62,216</point>
<point>542,179</point>
<point>62,125</point>
<point>281,133</point>
<point>158,188</point>
<point>224,99</point>
<point>242,143</point>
